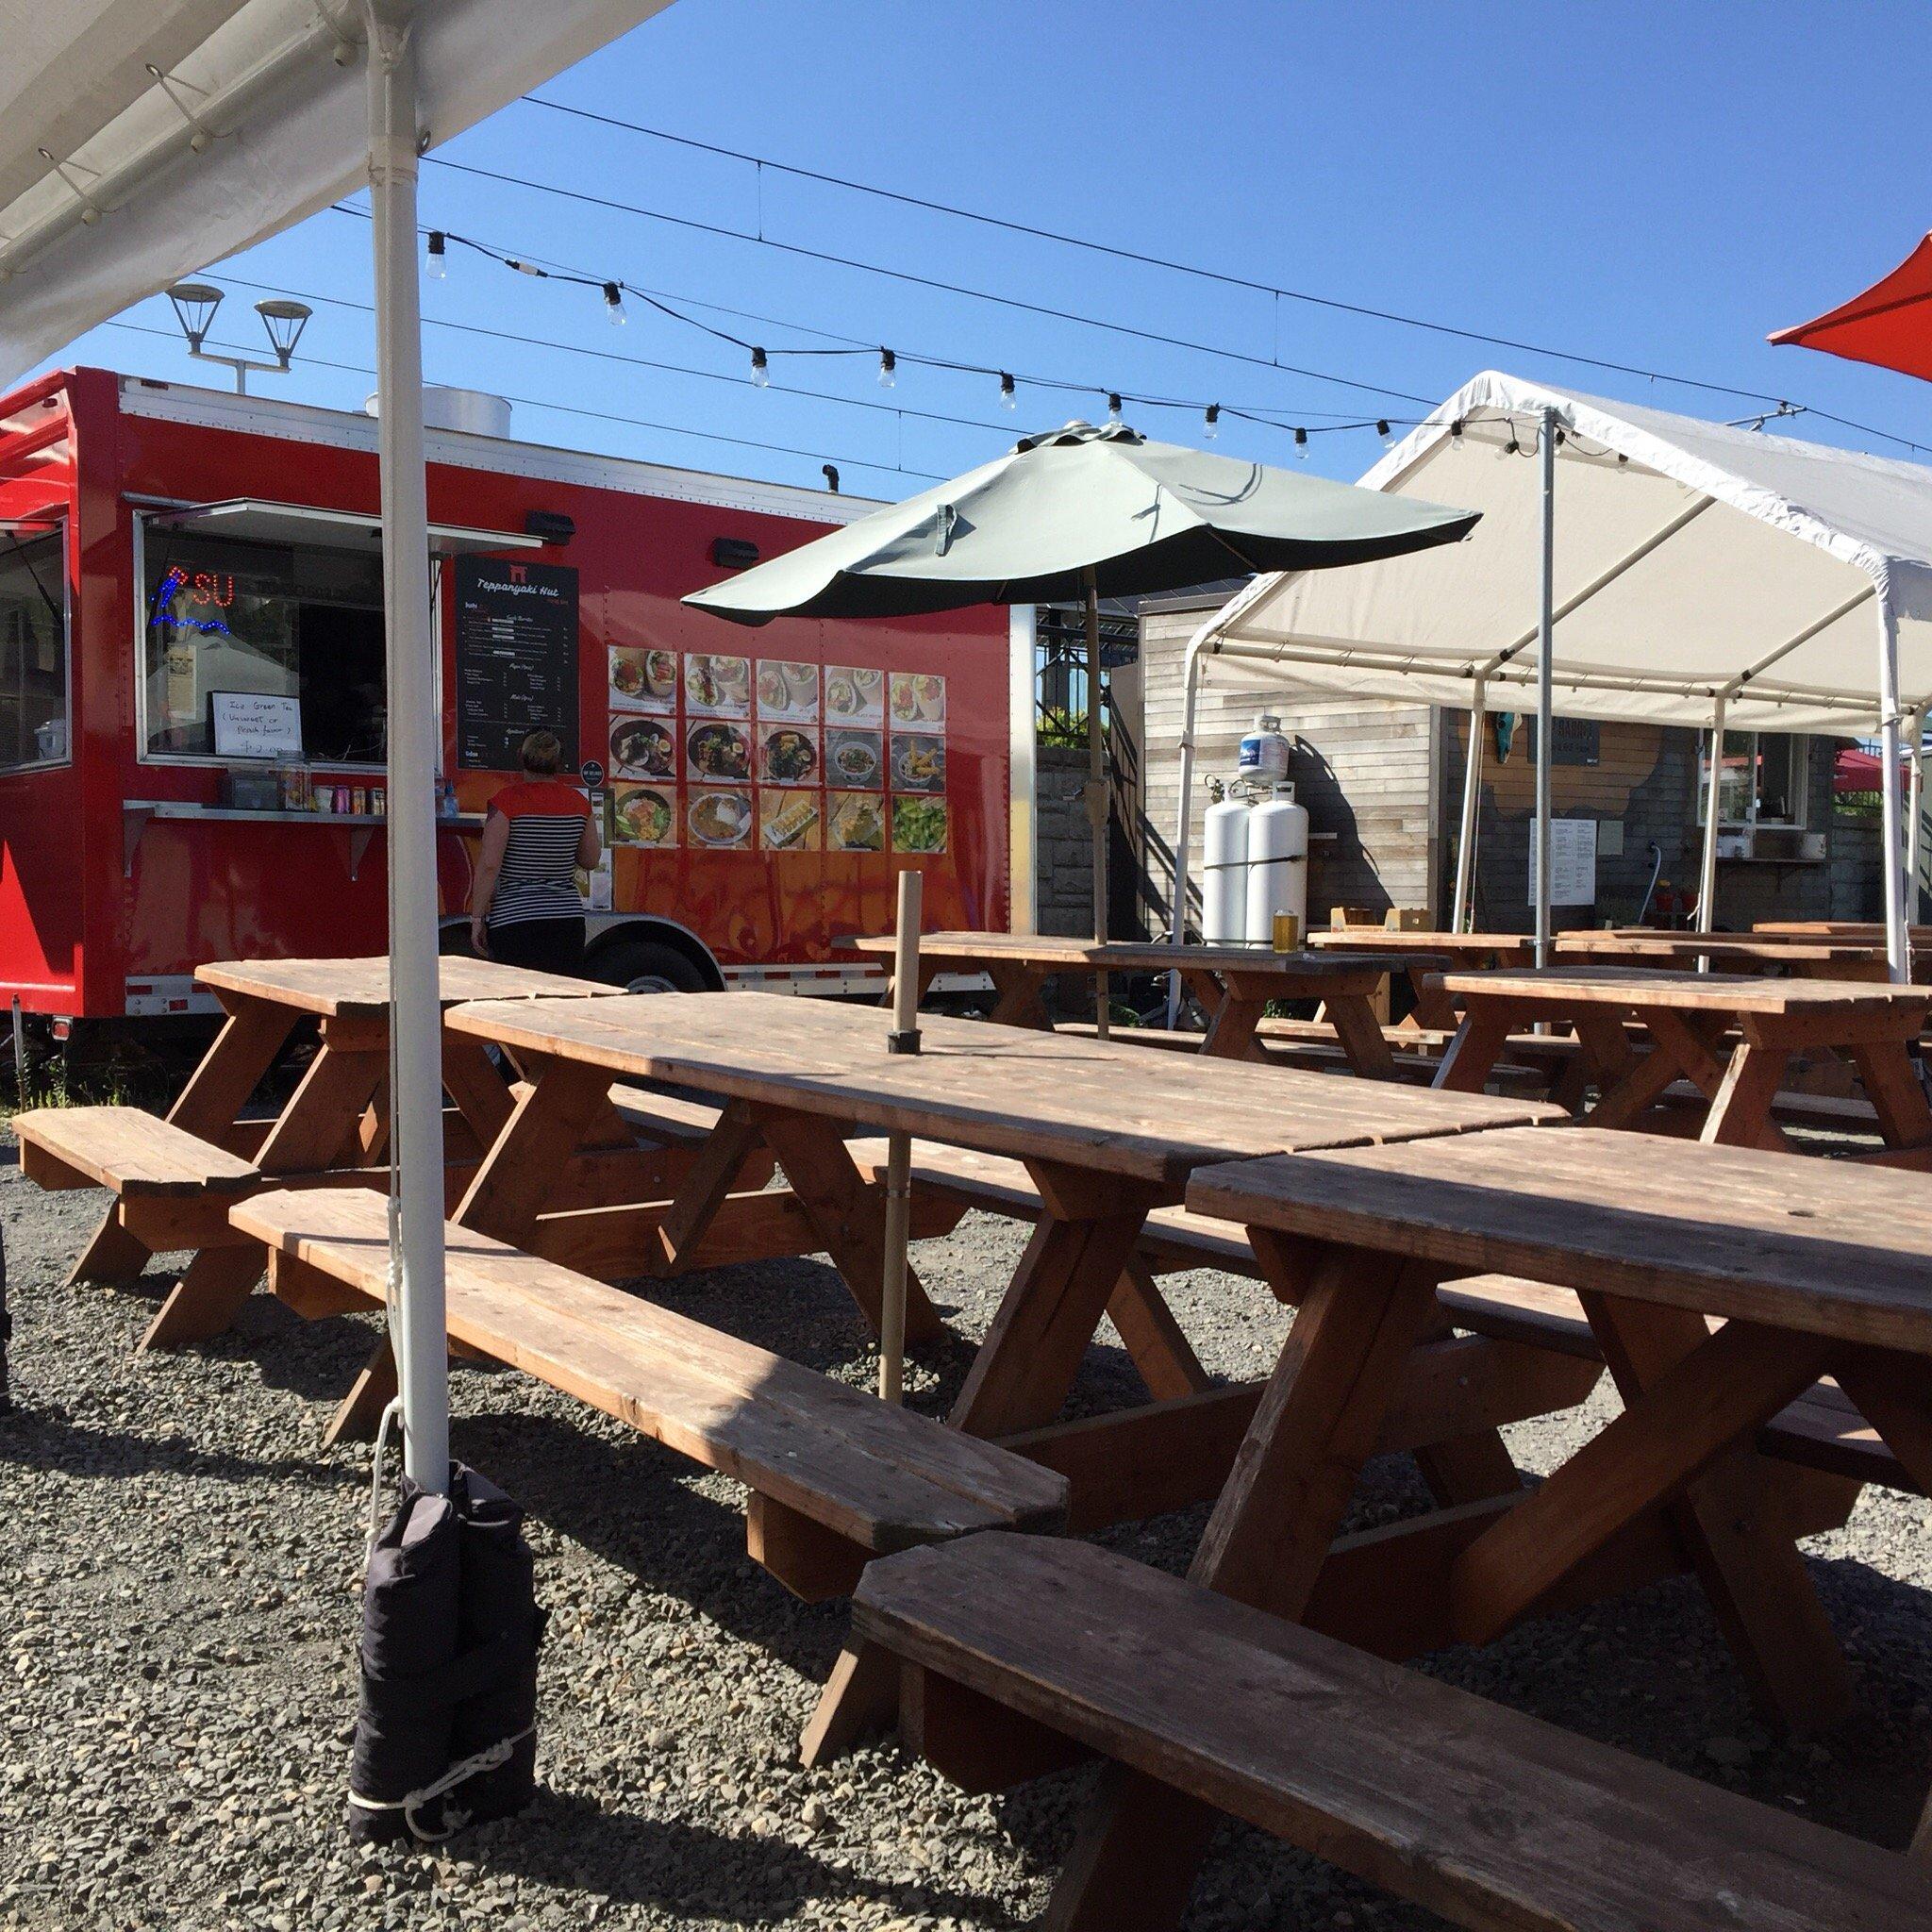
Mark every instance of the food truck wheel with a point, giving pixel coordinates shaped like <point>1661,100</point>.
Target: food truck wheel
<point>644,966</point>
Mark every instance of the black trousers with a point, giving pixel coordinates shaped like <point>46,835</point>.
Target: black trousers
<point>542,945</point>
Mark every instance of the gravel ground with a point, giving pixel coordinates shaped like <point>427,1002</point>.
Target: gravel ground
<point>180,1577</point>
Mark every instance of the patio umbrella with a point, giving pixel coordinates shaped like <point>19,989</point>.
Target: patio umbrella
<point>1082,512</point>
<point>1890,324</point>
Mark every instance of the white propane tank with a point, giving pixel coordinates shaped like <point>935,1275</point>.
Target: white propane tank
<point>1277,871</point>
<point>1224,871</point>
<point>1263,757</point>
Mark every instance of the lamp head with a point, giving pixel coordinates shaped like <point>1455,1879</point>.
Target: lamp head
<point>194,307</point>
<point>284,321</point>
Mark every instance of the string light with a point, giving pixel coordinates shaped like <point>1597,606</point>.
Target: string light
<point>1300,444</point>
<point>1455,434</point>
<point>761,370</point>
<point>613,305</point>
<point>436,257</point>
<point>1383,430</point>
<point>1007,399</point>
<point>889,368</point>
<point>1113,405</point>
<point>1211,421</point>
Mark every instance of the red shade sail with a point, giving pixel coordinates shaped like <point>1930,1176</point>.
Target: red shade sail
<point>1891,324</point>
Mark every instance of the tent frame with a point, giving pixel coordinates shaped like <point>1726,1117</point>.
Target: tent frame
<point>1501,668</point>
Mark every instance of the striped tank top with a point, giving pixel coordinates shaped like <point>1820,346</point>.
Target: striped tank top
<point>539,876</point>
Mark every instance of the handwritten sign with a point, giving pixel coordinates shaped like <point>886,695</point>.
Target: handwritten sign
<point>256,725</point>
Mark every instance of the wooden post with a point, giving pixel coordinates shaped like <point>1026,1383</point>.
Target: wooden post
<point>904,1039</point>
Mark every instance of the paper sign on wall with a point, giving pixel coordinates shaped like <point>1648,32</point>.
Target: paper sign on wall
<point>256,725</point>
<point>1573,862</point>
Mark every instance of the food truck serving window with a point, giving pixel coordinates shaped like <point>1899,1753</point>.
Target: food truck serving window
<point>33,650</point>
<point>288,620</point>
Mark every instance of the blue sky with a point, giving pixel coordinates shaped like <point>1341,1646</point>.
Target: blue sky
<point>1658,184</point>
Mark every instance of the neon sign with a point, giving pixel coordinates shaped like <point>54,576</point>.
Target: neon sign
<point>205,590</point>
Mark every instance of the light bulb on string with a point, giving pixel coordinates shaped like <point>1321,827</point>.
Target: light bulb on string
<point>1455,434</point>
<point>1007,399</point>
<point>613,305</point>
<point>888,367</point>
<point>1211,421</point>
<point>1387,435</point>
<point>1300,444</point>
<point>761,370</point>
<point>1113,405</point>
<point>436,256</point>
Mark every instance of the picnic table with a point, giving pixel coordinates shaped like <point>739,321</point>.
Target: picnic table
<point>1107,1133</point>
<point>1809,1267</point>
<point>1233,983</point>
<point>335,1117</point>
<point>1423,955</point>
<point>1688,1018</point>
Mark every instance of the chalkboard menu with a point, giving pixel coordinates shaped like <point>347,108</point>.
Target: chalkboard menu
<point>516,659</point>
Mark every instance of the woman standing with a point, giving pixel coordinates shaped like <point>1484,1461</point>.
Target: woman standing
<point>526,909</point>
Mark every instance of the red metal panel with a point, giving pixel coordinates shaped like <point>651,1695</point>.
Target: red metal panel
<point>201,891</point>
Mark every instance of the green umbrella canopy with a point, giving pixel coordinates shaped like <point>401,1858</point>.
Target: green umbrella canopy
<point>1028,526</point>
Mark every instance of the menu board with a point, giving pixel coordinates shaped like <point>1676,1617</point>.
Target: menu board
<point>516,659</point>
<point>775,754</point>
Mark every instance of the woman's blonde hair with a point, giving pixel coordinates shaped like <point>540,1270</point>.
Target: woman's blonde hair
<point>542,754</point>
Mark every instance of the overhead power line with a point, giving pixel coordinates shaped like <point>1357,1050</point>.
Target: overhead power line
<point>1223,277</point>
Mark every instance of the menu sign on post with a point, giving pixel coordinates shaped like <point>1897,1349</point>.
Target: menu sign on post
<point>516,659</point>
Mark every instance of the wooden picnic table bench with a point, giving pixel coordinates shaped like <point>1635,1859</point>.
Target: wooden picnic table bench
<point>835,1475</point>
<point>1817,958</point>
<point>1021,1654</point>
<point>335,1118</point>
<point>1688,1018</point>
<point>1233,983</point>
<point>1809,1266</point>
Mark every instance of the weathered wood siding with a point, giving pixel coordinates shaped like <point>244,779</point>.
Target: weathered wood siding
<point>1365,771</point>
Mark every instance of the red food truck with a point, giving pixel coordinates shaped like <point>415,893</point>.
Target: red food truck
<point>193,713</point>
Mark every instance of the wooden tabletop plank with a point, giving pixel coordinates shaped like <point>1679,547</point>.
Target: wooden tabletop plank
<point>336,989</point>
<point>1827,1247</point>
<point>1005,1090</point>
<point>1556,987</point>
<point>1048,953</point>
<point>1377,938</point>
<point>1754,949</point>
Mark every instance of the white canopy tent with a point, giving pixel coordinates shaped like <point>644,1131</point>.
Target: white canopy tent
<point>140,139</point>
<point>1684,573</point>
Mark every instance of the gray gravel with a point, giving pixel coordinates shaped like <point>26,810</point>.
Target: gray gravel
<point>177,1682</point>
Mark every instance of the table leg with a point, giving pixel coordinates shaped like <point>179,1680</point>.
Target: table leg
<point>210,1294</point>
<point>1019,1001</point>
<point>251,1040</point>
<point>520,1168</point>
<point>1362,1038</point>
<point>847,1216</point>
<point>1433,1007</point>
<point>927,973</point>
<point>361,1409</point>
<point>706,1183</point>
<point>1140,1842</point>
<point>1740,1111</point>
<point>1161,1353</point>
<point>1471,1056</point>
<point>1891,1084</point>
<point>1691,1398</point>
<point>324,1113</point>
<point>1231,1028</point>
<point>1026,1365</point>
<point>481,1095</point>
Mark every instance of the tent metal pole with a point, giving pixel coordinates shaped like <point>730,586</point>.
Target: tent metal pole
<point>1545,688</point>
<point>1183,826</point>
<point>1472,799</point>
<point>417,1316</point>
<point>1099,807</point>
<point>1915,816</point>
<point>1897,951</point>
<point>1706,869</point>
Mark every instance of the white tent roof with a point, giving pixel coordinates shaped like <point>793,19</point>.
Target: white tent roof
<point>1692,561</point>
<point>182,130</point>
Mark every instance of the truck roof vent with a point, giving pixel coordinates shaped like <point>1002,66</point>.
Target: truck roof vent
<point>473,410</point>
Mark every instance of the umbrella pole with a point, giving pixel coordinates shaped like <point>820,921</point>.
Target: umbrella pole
<point>1472,799</point>
<point>1097,806</point>
<point>1915,819</point>
<point>1545,721</point>
<point>414,737</point>
<point>902,1038</point>
<point>1897,949</point>
<point>1713,800</point>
